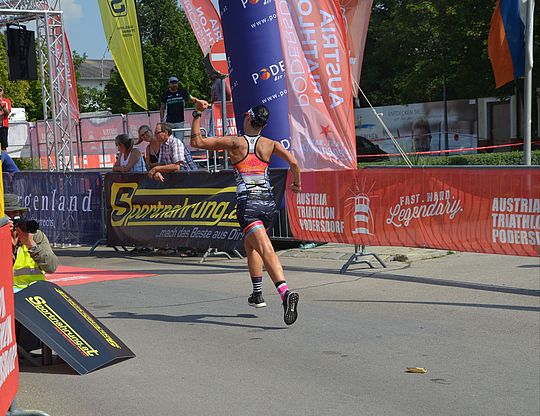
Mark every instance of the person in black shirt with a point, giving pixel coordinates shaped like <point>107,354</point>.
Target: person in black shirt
<point>173,102</point>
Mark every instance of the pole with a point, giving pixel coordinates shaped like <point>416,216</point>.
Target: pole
<point>446,144</point>
<point>527,116</point>
<point>224,115</point>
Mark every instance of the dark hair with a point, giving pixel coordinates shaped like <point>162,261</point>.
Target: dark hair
<point>259,116</point>
<point>124,140</point>
<point>165,127</point>
<point>146,129</point>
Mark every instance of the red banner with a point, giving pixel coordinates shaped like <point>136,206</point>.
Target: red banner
<point>318,78</point>
<point>356,14</point>
<point>218,119</point>
<point>205,22</point>
<point>9,365</point>
<point>491,210</point>
<point>72,84</point>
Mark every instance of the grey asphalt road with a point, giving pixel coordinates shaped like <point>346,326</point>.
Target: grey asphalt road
<point>472,320</point>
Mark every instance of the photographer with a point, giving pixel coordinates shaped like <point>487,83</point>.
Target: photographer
<point>32,252</point>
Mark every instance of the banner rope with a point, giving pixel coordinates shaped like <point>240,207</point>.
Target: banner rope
<point>465,149</point>
<point>398,147</point>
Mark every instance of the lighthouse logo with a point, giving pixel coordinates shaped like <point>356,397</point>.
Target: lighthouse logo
<point>362,215</point>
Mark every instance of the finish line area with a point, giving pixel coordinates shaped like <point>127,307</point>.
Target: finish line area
<point>71,276</point>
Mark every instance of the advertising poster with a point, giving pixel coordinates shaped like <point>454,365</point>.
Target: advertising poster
<point>67,206</point>
<point>64,325</point>
<point>420,127</point>
<point>195,209</point>
<point>9,364</point>
<point>256,77</point>
<point>484,210</point>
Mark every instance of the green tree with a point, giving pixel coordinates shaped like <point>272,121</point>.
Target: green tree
<point>412,47</point>
<point>90,99</point>
<point>169,48</point>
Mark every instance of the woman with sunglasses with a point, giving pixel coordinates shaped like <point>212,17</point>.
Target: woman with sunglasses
<point>250,155</point>
<point>151,154</point>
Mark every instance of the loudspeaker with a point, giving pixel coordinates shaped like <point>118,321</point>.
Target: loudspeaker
<point>21,51</point>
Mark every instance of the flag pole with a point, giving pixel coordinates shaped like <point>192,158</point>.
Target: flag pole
<point>527,116</point>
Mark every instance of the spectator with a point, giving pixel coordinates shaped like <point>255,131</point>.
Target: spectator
<point>173,102</point>
<point>5,109</point>
<point>216,90</point>
<point>171,153</point>
<point>130,158</point>
<point>31,250</point>
<point>8,165</point>
<point>151,154</point>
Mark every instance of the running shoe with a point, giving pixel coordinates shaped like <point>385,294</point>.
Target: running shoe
<point>256,300</point>
<point>290,304</point>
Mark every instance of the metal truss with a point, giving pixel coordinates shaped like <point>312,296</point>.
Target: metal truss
<point>53,61</point>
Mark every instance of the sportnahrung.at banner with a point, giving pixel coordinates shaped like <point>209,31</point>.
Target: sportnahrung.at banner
<point>483,210</point>
<point>192,209</point>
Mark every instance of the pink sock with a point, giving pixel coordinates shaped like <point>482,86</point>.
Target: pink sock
<point>282,288</point>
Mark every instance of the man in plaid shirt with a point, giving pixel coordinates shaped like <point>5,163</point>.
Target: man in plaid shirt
<point>171,153</point>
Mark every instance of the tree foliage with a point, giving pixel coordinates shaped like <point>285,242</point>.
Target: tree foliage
<point>90,99</point>
<point>169,48</point>
<point>414,46</point>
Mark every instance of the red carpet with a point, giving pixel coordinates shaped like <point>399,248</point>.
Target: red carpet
<point>70,276</point>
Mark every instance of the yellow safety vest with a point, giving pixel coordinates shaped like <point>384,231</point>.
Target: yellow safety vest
<point>25,269</point>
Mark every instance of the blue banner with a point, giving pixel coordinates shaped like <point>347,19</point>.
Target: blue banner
<point>67,206</point>
<point>256,66</point>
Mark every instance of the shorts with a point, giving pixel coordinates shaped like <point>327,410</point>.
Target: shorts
<point>255,207</point>
<point>4,138</point>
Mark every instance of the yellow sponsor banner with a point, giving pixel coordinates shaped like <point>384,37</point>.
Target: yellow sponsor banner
<point>121,28</point>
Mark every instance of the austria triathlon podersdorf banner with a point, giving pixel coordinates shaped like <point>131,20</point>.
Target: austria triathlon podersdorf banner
<point>319,87</point>
<point>484,210</point>
<point>205,22</point>
<point>195,209</point>
<point>256,66</point>
<point>356,14</point>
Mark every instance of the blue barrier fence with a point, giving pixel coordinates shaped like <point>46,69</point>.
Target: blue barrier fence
<point>71,208</point>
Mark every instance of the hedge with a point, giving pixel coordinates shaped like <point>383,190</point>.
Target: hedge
<point>499,159</point>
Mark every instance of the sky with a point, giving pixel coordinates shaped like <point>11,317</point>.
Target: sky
<point>84,29</point>
<point>82,22</point>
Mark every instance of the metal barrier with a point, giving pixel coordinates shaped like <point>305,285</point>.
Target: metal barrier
<point>201,156</point>
<point>281,231</point>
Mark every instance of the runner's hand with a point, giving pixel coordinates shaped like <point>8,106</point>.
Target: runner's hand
<point>201,105</point>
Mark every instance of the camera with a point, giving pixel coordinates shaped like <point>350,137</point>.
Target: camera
<point>28,226</point>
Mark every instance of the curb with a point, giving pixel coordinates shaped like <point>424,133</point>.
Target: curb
<point>344,251</point>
